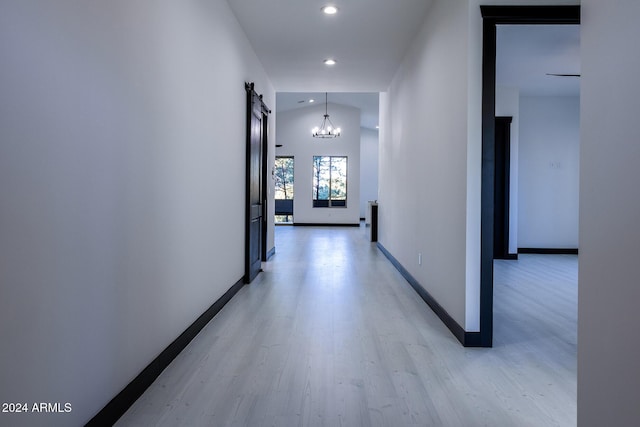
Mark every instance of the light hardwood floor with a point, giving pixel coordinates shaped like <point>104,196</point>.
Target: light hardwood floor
<point>332,335</point>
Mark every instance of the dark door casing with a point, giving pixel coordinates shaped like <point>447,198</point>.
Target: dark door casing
<point>501,189</point>
<point>491,17</point>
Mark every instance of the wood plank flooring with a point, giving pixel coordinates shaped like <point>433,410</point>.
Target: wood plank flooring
<point>332,335</point>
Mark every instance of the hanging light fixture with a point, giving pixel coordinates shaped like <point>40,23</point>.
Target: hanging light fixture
<point>327,129</point>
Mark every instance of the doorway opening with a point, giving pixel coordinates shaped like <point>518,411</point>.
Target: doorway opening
<point>492,17</point>
<point>335,178</point>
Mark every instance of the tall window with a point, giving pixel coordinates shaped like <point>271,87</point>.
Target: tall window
<point>283,175</point>
<point>329,181</point>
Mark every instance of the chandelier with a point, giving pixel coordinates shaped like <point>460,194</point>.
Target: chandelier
<point>327,129</point>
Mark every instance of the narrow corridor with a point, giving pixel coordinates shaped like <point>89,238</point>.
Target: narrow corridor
<point>331,334</point>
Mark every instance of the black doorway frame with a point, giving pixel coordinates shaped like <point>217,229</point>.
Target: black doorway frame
<point>492,16</point>
<point>502,189</point>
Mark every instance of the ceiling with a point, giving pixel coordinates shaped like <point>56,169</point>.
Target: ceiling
<point>526,53</point>
<point>367,38</point>
<point>366,102</point>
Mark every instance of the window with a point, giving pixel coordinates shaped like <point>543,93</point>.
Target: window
<point>283,176</point>
<point>329,182</point>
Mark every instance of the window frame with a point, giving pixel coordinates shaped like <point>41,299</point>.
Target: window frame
<point>329,202</point>
<point>284,218</point>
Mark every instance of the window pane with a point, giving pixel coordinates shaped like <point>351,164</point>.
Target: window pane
<point>338,178</point>
<point>321,177</point>
<point>329,181</point>
<point>284,178</point>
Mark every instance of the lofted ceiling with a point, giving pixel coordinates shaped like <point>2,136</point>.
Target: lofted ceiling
<point>366,102</point>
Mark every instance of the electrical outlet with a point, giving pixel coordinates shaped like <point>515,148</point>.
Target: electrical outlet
<point>555,165</point>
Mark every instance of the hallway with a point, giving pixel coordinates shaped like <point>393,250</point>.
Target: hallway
<point>331,334</point>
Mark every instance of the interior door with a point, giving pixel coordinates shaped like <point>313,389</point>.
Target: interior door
<point>501,189</point>
<point>263,181</point>
<point>255,197</point>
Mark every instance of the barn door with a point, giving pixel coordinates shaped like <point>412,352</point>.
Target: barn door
<point>255,229</point>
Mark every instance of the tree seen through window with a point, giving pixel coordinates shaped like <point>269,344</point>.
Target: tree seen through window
<point>329,181</point>
<point>283,176</point>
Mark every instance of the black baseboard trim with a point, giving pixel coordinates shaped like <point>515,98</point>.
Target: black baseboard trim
<point>549,251</point>
<point>323,224</point>
<point>467,339</point>
<point>123,401</point>
<point>271,253</point>
<point>509,257</point>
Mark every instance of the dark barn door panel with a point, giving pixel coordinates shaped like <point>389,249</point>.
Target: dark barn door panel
<point>255,242</point>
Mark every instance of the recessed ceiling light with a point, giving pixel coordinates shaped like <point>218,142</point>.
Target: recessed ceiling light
<point>330,10</point>
<point>329,61</point>
<point>312,100</point>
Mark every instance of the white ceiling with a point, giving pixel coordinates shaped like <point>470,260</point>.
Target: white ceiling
<point>526,53</point>
<point>368,39</point>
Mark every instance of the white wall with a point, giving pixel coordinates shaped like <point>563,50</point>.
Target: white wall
<point>368,168</point>
<point>508,105</point>
<point>122,136</point>
<point>549,172</point>
<point>608,347</point>
<point>431,156</point>
<point>294,133</point>
<point>423,158</point>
